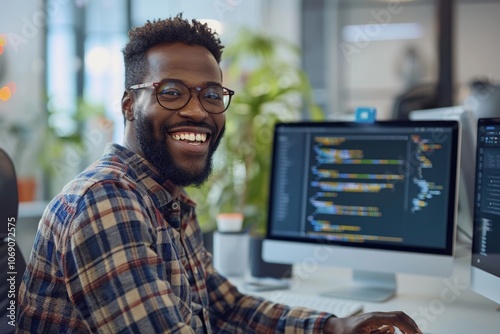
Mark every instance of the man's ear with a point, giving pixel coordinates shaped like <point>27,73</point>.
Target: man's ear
<point>127,106</point>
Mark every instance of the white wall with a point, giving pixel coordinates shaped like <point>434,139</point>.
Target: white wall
<point>477,46</point>
<point>372,74</point>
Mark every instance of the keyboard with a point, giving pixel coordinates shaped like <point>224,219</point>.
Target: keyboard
<point>340,308</point>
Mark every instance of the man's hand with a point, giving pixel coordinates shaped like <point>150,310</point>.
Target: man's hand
<point>372,323</point>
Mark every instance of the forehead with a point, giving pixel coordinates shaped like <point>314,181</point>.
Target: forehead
<point>192,64</point>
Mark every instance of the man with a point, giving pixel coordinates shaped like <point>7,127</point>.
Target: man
<point>120,250</point>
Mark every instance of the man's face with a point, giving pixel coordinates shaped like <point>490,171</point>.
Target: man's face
<point>179,143</point>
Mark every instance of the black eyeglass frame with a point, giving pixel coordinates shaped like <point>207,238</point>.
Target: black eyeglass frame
<point>156,85</point>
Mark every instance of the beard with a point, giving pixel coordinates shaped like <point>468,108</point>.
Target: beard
<point>156,151</point>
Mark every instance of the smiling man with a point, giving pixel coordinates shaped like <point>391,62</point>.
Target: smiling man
<point>177,116</point>
<point>119,250</point>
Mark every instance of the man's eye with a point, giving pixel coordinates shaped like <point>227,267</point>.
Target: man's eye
<point>213,94</point>
<point>171,89</point>
<point>169,92</point>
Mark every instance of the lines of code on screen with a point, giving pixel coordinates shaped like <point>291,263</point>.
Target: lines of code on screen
<point>386,188</point>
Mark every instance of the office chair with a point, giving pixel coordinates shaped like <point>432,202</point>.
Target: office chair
<point>422,96</point>
<point>484,98</point>
<point>9,204</point>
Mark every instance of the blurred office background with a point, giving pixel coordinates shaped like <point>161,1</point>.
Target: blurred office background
<point>61,68</point>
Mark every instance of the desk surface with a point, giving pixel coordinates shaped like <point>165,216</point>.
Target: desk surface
<point>439,305</point>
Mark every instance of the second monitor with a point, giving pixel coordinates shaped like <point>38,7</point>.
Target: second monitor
<point>378,198</point>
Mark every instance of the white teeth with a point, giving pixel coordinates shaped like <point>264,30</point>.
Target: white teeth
<point>199,137</point>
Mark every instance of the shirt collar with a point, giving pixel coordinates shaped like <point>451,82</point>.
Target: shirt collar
<point>163,191</point>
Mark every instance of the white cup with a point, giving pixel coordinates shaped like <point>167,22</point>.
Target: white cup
<point>230,255</point>
<point>229,222</point>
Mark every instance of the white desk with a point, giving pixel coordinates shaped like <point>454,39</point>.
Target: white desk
<point>438,305</point>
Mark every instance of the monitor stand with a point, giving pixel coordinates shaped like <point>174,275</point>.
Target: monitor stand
<point>367,286</point>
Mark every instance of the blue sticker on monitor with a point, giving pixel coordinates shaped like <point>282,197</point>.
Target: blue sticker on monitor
<point>366,114</point>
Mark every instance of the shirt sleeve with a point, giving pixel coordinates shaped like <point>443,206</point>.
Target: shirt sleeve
<point>112,270</point>
<point>234,312</point>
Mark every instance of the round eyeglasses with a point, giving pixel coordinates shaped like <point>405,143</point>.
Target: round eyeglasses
<point>174,95</point>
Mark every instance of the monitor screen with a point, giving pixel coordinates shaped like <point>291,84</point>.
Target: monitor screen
<point>485,271</point>
<point>378,198</point>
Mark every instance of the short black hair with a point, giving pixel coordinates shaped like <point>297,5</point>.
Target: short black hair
<point>157,32</point>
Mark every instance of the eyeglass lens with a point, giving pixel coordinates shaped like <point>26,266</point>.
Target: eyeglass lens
<point>175,95</point>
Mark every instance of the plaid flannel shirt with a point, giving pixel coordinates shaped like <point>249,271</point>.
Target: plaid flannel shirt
<point>115,252</point>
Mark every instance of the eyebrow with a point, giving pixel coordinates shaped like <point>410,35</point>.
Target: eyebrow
<point>207,84</point>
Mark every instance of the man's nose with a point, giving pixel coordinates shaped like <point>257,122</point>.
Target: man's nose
<point>193,109</point>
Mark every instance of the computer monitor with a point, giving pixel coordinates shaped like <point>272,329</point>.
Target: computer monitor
<point>485,266</point>
<point>379,198</point>
<point>468,122</point>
